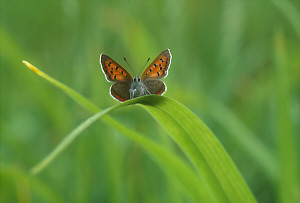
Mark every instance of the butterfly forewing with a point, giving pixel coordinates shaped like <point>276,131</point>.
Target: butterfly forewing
<point>112,70</point>
<point>159,67</point>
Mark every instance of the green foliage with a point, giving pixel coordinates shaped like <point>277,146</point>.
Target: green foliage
<point>235,65</point>
<point>222,183</point>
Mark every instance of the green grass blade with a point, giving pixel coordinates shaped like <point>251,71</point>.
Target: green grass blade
<point>288,178</point>
<point>82,101</point>
<point>182,138</point>
<point>197,141</point>
<point>86,104</point>
<point>170,163</point>
<point>205,147</point>
<point>245,138</point>
<point>66,142</point>
<point>210,152</point>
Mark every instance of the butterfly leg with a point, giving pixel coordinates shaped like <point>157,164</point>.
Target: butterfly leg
<point>147,91</point>
<point>131,91</point>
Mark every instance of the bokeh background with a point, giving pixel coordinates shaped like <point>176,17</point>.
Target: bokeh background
<point>235,64</point>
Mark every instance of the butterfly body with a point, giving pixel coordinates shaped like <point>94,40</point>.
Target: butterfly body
<point>125,87</point>
<point>138,89</point>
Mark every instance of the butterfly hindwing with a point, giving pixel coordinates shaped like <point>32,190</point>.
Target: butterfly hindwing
<point>120,91</point>
<point>155,86</point>
<point>112,70</point>
<point>159,67</point>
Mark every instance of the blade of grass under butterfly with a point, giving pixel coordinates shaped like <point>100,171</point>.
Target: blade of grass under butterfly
<point>185,175</point>
<point>86,104</point>
<point>216,163</point>
<point>224,179</point>
<point>219,167</point>
<point>176,131</point>
<point>172,165</point>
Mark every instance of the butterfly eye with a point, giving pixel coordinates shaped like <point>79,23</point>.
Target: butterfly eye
<point>139,80</point>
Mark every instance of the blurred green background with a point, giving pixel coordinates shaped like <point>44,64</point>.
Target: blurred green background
<point>235,64</point>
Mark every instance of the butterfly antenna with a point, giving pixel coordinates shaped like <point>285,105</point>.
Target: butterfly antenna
<point>144,66</point>
<point>129,65</point>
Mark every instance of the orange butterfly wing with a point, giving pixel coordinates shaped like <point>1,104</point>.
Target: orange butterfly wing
<point>159,67</point>
<point>113,71</point>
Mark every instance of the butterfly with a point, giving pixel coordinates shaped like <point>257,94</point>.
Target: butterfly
<point>125,87</point>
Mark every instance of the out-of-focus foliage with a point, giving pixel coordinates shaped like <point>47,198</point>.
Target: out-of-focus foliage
<point>235,65</point>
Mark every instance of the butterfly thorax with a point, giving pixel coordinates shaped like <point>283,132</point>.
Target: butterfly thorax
<point>138,88</point>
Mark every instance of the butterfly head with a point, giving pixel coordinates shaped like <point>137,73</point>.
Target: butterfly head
<point>136,79</point>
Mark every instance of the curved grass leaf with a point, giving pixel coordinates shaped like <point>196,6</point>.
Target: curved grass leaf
<point>247,141</point>
<point>217,170</point>
<point>168,162</point>
<point>202,147</point>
